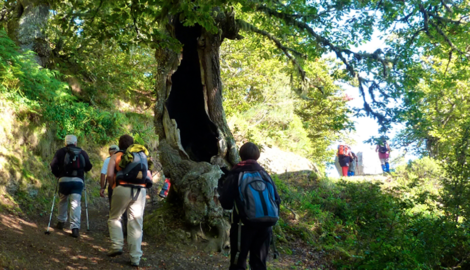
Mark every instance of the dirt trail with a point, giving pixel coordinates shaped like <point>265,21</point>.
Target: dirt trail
<point>23,245</point>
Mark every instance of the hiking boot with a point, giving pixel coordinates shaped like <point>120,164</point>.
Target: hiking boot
<point>60,225</point>
<point>135,264</point>
<point>75,233</point>
<point>114,253</point>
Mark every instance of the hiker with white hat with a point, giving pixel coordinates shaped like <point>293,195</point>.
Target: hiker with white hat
<point>69,165</point>
<point>104,170</point>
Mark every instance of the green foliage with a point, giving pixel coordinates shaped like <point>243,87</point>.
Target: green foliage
<point>413,33</point>
<point>40,91</point>
<point>375,225</point>
<point>436,110</point>
<point>261,106</point>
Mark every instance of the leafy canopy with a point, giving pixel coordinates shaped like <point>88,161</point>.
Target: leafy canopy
<point>261,107</point>
<point>302,30</point>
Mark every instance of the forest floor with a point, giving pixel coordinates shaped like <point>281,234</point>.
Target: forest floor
<point>24,245</point>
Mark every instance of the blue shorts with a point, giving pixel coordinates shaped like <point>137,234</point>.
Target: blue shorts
<point>68,188</point>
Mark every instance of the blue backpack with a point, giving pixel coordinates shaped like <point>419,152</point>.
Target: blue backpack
<point>257,205</point>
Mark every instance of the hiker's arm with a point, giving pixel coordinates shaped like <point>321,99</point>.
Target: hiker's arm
<point>55,164</point>
<point>376,148</point>
<point>228,191</point>
<point>110,174</point>
<point>102,184</point>
<point>103,181</point>
<point>88,165</point>
<point>104,171</point>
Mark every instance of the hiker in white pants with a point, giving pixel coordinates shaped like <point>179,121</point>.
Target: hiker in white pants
<point>122,201</point>
<point>69,165</point>
<point>72,187</point>
<point>130,197</point>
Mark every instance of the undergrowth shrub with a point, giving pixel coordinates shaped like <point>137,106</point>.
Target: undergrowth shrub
<point>40,91</point>
<point>37,111</point>
<point>376,225</point>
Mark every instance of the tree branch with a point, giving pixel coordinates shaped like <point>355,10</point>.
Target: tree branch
<point>96,11</point>
<point>446,38</point>
<point>289,19</point>
<point>446,7</point>
<point>448,63</point>
<point>428,22</point>
<point>425,20</point>
<point>249,27</point>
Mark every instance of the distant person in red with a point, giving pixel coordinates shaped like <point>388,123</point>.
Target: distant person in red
<point>344,158</point>
<point>165,188</point>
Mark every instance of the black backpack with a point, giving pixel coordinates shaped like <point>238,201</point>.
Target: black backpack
<point>383,148</point>
<point>136,171</point>
<point>74,161</point>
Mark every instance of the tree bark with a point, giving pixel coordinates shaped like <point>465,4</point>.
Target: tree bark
<point>26,28</point>
<point>195,140</point>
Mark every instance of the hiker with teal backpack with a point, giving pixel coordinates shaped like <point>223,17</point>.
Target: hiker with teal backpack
<point>69,165</point>
<point>251,193</point>
<point>384,153</point>
<point>129,175</point>
<point>353,165</point>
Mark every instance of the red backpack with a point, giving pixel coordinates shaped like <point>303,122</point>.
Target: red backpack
<point>344,150</point>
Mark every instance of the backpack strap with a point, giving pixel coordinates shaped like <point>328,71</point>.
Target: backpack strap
<point>136,195</point>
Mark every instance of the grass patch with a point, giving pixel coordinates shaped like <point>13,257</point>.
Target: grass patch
<point>367,224</point>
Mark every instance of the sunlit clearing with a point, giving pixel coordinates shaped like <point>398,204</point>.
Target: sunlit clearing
<point>11,223</point>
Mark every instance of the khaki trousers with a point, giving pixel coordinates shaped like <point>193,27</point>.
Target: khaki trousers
<point>122,200</point>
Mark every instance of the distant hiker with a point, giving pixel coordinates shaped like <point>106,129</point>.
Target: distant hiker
<point>128,175</point>
<point>103,182</point>
<point>384,153</point>
<point>344,158</point>
<point>251,193</point>
<point>353,165</point>
<point>104,170</point>
<point>165,188</point>
<point>69,165</point>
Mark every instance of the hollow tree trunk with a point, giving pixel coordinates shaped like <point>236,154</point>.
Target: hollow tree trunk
<point>189,118</point>
<point>26,28</point>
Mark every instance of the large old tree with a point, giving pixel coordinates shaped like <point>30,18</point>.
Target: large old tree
<point>195,140</point>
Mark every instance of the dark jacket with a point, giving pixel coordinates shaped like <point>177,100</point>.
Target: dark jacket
<point>57,164</point>
<point>228,186</point>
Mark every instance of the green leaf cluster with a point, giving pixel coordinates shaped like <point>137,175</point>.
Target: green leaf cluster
<point>261,106</point>
<point>39,91</point>
<point>377,225</point>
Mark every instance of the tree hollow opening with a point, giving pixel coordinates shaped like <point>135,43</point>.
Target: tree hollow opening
<point>186,102</point>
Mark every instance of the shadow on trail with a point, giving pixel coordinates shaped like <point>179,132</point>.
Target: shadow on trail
<point>24,245</point>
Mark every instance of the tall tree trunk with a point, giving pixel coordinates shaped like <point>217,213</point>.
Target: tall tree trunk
<point>195,140</point>
<point>26,28</point>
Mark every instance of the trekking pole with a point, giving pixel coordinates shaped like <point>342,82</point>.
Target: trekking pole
<point>52,209</point>
<point>86,211</point>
